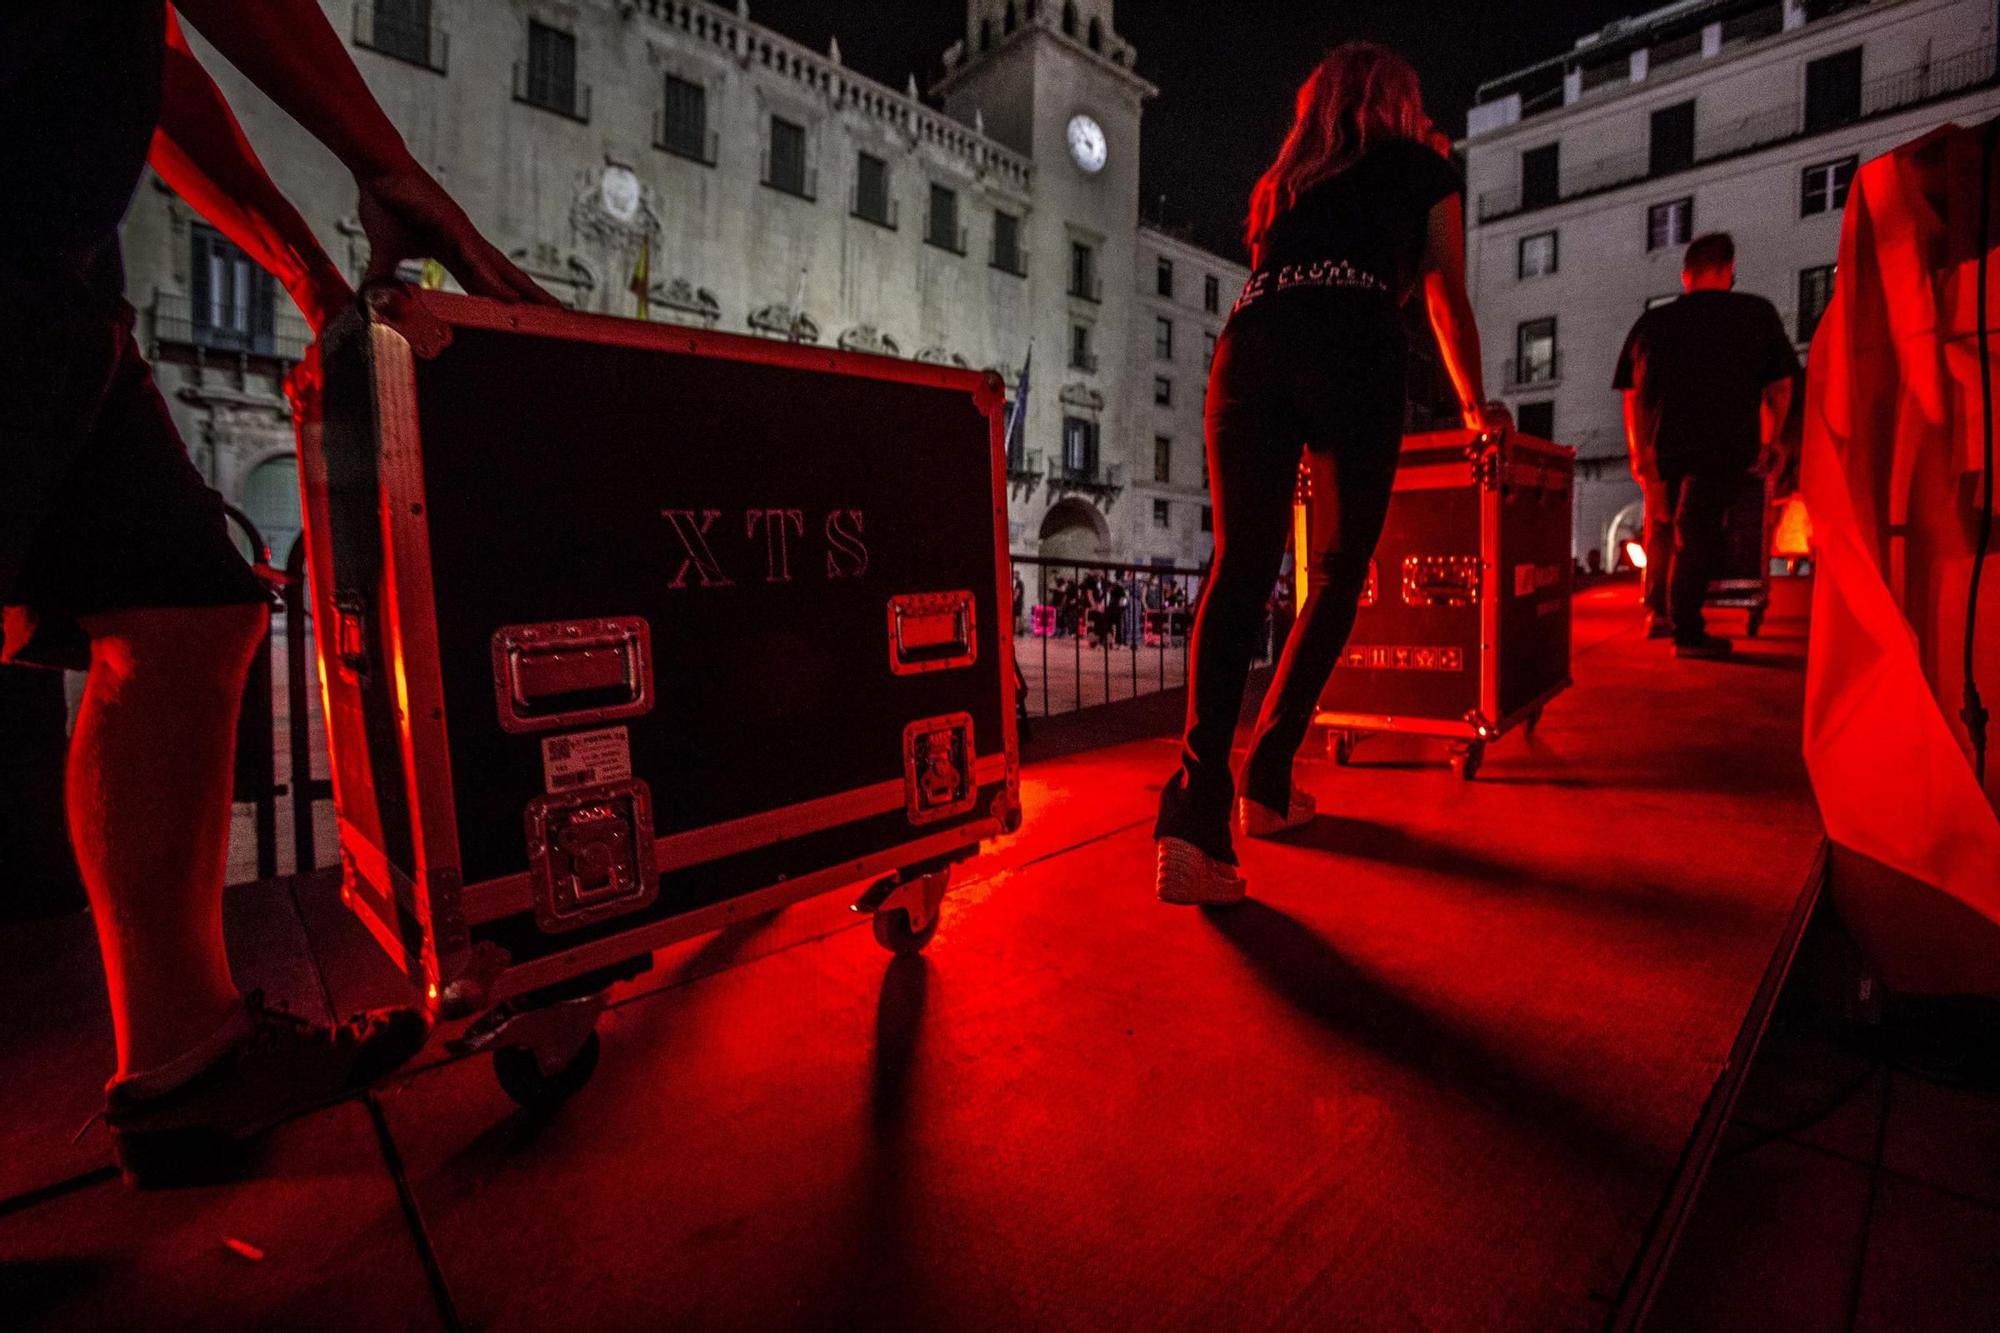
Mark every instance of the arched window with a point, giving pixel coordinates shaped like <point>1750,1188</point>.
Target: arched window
<point>1007,23</point>
<point>1096,35</point>
<point>1069,19</point>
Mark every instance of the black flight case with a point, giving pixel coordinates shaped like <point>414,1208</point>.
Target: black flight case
<point>628,631</point>
<point>1464,626</point>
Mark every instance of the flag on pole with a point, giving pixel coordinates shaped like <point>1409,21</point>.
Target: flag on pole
<point>1017,418</point>
<point>642,277</point>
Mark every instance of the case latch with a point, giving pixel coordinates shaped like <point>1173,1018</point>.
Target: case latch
<point>1442,580</point>
<point>350,633</point>
<point>590,854</point>
<point>570,673</point>
<point>932,631</point>
<point>938,768</point>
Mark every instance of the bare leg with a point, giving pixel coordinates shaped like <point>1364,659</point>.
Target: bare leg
<point>148,786</point>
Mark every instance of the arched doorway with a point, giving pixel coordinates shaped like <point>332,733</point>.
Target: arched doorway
<point>271,500</point>
<point>1074,530</point>
<point>1628,526</point>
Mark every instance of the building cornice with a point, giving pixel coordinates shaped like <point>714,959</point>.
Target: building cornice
<point>749,44</point>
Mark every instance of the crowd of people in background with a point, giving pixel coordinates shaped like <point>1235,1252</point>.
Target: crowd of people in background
<point>1123,609</point>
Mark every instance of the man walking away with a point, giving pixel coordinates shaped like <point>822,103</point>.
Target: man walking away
<point>1707,380</point>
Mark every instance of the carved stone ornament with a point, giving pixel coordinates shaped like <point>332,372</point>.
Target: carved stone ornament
<point>611,206</point>
<point>1082,395</point>
<point>935,355</point>
<point>778,320</point>
<point>868,338</point>
<point>548,264</point>
<point>684,297</point>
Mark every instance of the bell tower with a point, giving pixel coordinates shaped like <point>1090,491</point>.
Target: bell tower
<point>1053,80</point>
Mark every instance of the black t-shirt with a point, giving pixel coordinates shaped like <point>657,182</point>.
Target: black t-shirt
<point>1700,364</point>
<point>79,99</point>
<point>1362,230</point>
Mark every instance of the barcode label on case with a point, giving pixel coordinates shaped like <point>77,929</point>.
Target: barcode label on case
<point>586,759</point>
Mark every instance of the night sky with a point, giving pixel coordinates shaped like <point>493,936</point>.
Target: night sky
<point>1225,89</point>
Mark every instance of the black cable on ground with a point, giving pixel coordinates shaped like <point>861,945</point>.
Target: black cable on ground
<point>392,1157</point>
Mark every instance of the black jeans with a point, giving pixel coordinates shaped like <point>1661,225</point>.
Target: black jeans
<point>1699,501</point>
<point>1332,385</point>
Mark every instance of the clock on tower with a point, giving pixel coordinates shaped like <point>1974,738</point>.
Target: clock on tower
<point>1086,143</point>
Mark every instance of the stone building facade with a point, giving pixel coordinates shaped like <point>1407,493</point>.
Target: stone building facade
<point>1588,173</point>
<point>744,183</point>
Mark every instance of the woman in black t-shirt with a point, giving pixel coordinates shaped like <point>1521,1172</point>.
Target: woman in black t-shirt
<point>1360,208</point>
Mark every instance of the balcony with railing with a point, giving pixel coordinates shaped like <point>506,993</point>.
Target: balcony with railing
<point>943,234</point>
<point>402,32</point>
<point>1534,372</point>
<point>1024,466</point>
<point>1008,258</point>
<point>694,143</point>
<point>564,97</point>
<point>1764,128</point>
<point>801,182</point>
<point>1087,287</point>
<point>255,329</point>
<point>1096,480</point>
<point>879,209</point>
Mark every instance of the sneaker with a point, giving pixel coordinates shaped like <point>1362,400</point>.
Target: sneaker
<point>282,1067</point>
<point>1257,820</point>
<point>1708,647</point>
<point>1190,877</point>
<point>1659,627</point>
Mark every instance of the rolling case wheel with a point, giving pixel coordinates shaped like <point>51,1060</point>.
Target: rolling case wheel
<point>521,1076</point>
<point>1756,622</point>
<point>897,903</point>
<point>1340,745</point>
<point>1465,760</point>
<point>1534,720</point>
<point>894,933</point>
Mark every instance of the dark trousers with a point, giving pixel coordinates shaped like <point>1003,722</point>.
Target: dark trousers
<point>1659,543</point>
<point>1277,387</point>
<point>1700,500</point>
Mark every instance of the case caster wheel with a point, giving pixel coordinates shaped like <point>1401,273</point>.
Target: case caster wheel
<point>522,1077</point>
<point>1465,760</point>
<point>894,932</point>
<point>1756,623</point>
<point>904,909</point>
<point>1340,745</point>
<point>1534,720</point>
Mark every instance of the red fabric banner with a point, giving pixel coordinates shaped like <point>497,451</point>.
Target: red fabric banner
<point>1891,463</point>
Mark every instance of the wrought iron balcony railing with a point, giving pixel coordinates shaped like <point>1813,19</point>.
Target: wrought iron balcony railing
<point>1535,370</point>
<point>565,97</point>
<point>269,330</point>
<point>382,29</point>
<point>694,144</point>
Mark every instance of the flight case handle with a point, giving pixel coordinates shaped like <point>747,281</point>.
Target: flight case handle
<point>570,673</point>
<point>932,631</point>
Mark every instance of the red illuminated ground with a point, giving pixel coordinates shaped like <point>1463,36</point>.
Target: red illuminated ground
<point>1439,1074</point>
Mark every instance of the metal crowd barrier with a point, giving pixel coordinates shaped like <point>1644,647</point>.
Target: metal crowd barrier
<point>1071,658</point>
<point>256,780</point>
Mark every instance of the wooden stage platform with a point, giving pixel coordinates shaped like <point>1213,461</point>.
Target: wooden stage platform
<point>1456,1065</point>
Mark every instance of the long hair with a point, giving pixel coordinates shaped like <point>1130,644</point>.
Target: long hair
<point>1360,93</point>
